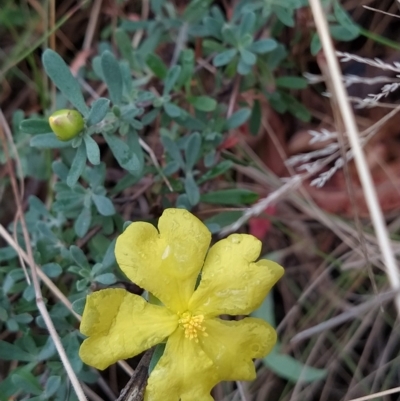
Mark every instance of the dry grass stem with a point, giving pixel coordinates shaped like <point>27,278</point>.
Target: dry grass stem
<point>359,157</point>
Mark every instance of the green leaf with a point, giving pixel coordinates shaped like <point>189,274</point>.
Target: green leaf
<point>78,256</point>
<point>243,68</point>
<point>112,76</point>
<point>124,156</point>
<point>136,149</point>
<point>238,118</point>
<point>295,107</point>
<point>342,33</point>
<point>203,103</point>
<point>171,78</point>
<point>172,110</point>
<point>291,82</point>
<point>79,305</point>
<point>228,34</point>
<point>103,205</point>
<point>157,66</point>
<point>343,18</point>
<point>106,278</point>
<point>98,111</point>
<point>224,58</point>
<point>77,166</point>
<point>92,150</point>
<point>192,150</point>
<point>217,170</point>
<point>221,220</point>
<point>109,257</point>
<point>11,352</point>
<point>52,385</point>
<point>48,141</point>
<point>35,126</point>
<point>192,190</point>
<point>124,45</point>
<point>247,24</point>
<point>60,74</point>
<point>7,388</point>
<point>82,223</point>
<point>290,369</point>
<point>158,353</point>
<point>284,15</point>
<point>213,26</point>
<point>315,45</point>
<point>173,150</point>
<point>52,269</point>
<point>255,118</point>
<point>230,197</point>
<point>27,382</point>
<point>263,46</point>
<point>248,57</point>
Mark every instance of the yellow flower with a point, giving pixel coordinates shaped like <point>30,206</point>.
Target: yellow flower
<point>201,349</point>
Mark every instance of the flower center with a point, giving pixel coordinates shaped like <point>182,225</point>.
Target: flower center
<point>192,325</point>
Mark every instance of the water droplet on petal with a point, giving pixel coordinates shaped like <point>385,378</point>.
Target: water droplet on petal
<point>235,238</point>
<point>166,252</point>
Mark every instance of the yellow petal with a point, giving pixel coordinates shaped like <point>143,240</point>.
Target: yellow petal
<point>121,325</point>
<point>167,263</point>
<point>184,372</point>
<point>233,344</point>
<point>231,283</point>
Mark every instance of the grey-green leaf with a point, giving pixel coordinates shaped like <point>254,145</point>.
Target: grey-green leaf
<point>238,118</point>
<point>10,352</point>
<point>52,385</point>
<point>173,150</point>
<point>48,141</point>
<point>98,111</point>
<point>263,46</point>
<point>112,76</point>
<point>203,103</point>
<point>247,23</point>
<point>192,190</point>
<point>92,150</point>
<point>224,58</point>
<point>172,110</point>
<point>106,278</point>
<point>77,166</point>
<point>171,78</point>
<point>192,150</point>
<point>35,126</point>
<point>103,205</point>
<point>82,223</point>
<point>123,154</point>
<point>289,368</point>
<point>60,74</point>
<point>78,256</point>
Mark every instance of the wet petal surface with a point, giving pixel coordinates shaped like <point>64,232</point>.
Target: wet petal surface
<point>184,372</point>
<point>231,282</point>
<point>165,263</point>
<point>233,344</point>
<point>121,325</point>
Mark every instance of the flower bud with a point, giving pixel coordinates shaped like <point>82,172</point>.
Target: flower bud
<point>66,124</point>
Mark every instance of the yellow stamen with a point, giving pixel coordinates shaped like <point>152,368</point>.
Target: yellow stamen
<point>192,325</point>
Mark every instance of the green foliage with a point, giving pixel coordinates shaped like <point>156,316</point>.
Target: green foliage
<point>152,95</point>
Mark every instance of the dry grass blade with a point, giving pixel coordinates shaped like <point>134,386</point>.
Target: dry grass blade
<point>359,157</point>
<point>376,395</point>
<point>352,313</point>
